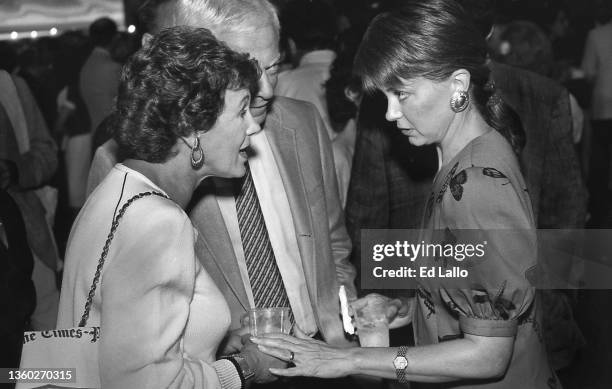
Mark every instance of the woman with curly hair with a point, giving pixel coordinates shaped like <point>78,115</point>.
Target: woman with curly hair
<point>181,116</point>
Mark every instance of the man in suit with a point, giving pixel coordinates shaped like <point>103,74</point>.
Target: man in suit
<point>292,171</point>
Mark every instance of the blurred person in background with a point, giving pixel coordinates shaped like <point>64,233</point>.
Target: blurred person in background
<point>343,96</point>
<point>28,161</point>
<point>311,26</point>
<point>72,131</point>
<point>99,77</point>
<point>525,45</point>
<point>561,28</point>
<point>35,66</point>
<point>121,48</point>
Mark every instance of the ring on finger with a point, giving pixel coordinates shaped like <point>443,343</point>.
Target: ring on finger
<point>292,356</point>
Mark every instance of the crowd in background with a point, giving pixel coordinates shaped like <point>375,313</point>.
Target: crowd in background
<point>72,81</point>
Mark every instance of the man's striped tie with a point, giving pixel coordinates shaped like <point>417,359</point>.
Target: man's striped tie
<point>266,281</point>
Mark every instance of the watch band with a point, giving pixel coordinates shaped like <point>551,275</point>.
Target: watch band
<point>400,363</point>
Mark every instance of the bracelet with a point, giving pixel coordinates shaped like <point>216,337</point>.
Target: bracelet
<point>401,363</point>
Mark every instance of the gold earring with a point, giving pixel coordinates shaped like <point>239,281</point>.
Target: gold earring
<point>459,101</point>
<point>197,154</point>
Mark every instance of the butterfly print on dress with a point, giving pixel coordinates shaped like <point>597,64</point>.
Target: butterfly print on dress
<point>427,300</point>
<point>501,306</point>
<point>456,184</point>
<point>449,239</point>
<point>430,204</point>
<point>494,173</point>
<point>446,181</point>
<point>535,326</point>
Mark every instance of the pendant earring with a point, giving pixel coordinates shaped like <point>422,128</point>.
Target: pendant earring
<point>459,101</point>
<point>197,154</point>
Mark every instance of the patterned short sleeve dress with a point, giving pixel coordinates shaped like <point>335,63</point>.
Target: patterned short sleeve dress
<point>482,189</point>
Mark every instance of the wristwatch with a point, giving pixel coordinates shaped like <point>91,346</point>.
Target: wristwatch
<point>401,363</point>
<point>242,366</point>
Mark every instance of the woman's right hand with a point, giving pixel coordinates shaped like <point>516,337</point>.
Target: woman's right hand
<point>399,311</point>
<point>260,362</point>
<point>310,357</point>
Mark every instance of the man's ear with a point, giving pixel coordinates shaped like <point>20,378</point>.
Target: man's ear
<point>146,38</point>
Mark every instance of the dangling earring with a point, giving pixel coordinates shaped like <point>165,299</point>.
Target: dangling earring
<point>197,154</point>
<point>459,101</point>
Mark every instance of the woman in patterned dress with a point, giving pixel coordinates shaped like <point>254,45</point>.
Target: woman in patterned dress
<point>430,61</point>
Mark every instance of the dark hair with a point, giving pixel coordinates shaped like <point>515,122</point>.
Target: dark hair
<point>484,12</point>
<point>123,46</point>
<point>432,39</point>
<point>311,24</point>
<point>603,11</point>
<point>341,76</point>
<point>74,48</point>
<point>525,45</point>
<point>102,31</point>
<point>174,86</point>
<point>148,13</point>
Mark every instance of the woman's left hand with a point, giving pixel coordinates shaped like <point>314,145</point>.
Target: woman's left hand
<point>312,358</point>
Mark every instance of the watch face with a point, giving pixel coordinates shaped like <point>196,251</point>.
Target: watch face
<point>400,362</point>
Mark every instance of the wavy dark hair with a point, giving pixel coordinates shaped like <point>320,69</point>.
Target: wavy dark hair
<point>174,86</point>
<point>432,39</point>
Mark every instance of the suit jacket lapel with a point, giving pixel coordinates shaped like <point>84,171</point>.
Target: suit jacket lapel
<point>213,236</point>
<point>283,143</point>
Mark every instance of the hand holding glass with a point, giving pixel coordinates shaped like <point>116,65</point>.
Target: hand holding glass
<point>372,323</point>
